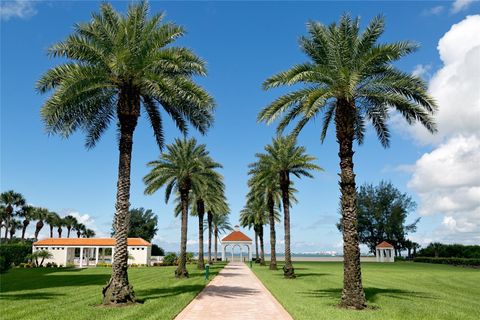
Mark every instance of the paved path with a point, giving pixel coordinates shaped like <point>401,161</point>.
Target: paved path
<point>235,293</point>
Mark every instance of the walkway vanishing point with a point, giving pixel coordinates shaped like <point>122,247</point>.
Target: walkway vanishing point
<point>235,293</point>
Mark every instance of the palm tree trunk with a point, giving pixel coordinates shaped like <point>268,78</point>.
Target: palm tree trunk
<point>256,247</point>
<point>59,230</point>
<point>51,231</point>
<point>216,241</point>
<point>68,230</point>
<point>271,217</point>
<point>201,213</point>
<point>353,295</point>
<point>38,228</point>
<point>8,215</point>
<point>26,222</point>
<point>12,232</point>
<point>210,220</point>
<point>118,289</point>
<point>262,248</point>
<point>288,270</point>
<point>181,271</point>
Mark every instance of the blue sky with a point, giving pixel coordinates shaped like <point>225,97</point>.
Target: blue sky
<point>243,43</point>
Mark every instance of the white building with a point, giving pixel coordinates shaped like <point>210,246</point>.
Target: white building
<point>385,252</point>
<point>236,239</point>
<point>84,252</point>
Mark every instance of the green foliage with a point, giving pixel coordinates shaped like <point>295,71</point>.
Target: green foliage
<point>143,224</point>
<point>40,254</point>
<point>170,259</point>
<point>450,251</point>
<point>4,265</point>
<point>382,213</point>
<point>104,265</point>
<point>474,262</point>
<point>15,253</point>
<point>157,251</point>
<point>189,256</point>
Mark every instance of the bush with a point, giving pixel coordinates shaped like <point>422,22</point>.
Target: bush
<point>157,251</point>
<point>450,261</point>
<point>450,251</point>
<point>4,265</point>
<point>104,265</point>
<point>71,265</point>
<point>170,259</point>
<point>189,256</point>
<point>51,265</point>
<point>15,253</point>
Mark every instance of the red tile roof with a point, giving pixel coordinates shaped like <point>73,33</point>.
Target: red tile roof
<point>88,242</point>
<point>236,236</point>
<point>384,244</point>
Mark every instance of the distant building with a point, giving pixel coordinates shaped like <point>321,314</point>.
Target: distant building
<point>84,252</point>
<point>384,252</point>
<point>236,239</point>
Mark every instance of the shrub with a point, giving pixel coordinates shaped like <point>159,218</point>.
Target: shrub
<point>450,251</point>
<point>451,261</point>
<point>4,265</point>
<point>189,256</point>
<point>15,253</point>
<point>157,251</point>
<point>51,265</point>
<point>70,265</point>
<point>104,265</point>
<point>170,259</point>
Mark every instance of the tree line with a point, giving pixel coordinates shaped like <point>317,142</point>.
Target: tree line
<point>120,65</point>
<point>16,214</point>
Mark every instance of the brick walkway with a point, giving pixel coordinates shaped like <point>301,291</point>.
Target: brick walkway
<point>235,293</point>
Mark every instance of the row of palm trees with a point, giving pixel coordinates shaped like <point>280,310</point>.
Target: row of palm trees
<point>13,207</point>
<point>118,65</point>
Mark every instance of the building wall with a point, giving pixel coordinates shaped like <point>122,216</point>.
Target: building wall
<point>140,255</point>
<point>59,254</point>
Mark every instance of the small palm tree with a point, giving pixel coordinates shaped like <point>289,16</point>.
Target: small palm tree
<point>52,220</point>
<point>12,201</point>
<point>40,254</point>
<point>89,233</point>
<point>184,168</point>
<point>27,213</point>
<point>70,223</point>
<point>118,66</point>
<point>285,158</point>
<point>220,224</point>
<point>350,79</point>
<point>255,215</point>
<point>14,226</point>
<point>41,214</point>
<point>80,228</point>
<point>60,223</point>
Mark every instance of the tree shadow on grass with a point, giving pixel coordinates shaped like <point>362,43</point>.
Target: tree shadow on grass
<point>31,296</point>
<point>372,294</point>
<point>143,295</point>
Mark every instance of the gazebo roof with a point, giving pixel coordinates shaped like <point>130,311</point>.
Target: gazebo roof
<point>384,244</point>
<point>237,235</point>
<point>93,242</point>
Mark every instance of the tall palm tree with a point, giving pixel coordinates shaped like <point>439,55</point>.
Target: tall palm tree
<point>117,65</point>
<point>41,214</point>
<point>80,228</point>
<point>27,213</point>
<point>255,215</point>
<point>220,224</point>
<point>350,79</point>
<point>52,220</point>
<point>14,226</point>
<point>12,201</point>
<point>184,167</point>
<point>88,233</point>
<point>3,217</point>
<point>285,158</point>
<point>70,223</point>
<point>60,223</point>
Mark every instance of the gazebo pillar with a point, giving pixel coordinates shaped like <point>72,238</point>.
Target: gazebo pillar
<point>249,252</point>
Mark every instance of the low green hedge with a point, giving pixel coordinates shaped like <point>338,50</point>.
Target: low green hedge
<point>14,253</point>
<point>451,261</point>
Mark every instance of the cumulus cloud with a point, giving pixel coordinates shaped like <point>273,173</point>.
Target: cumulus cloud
<point>421,70</point>
<point>87,220</point>
<point>447,179</point>
<point>17,9</point>
<point>434,11</point>
<point>459,5</point>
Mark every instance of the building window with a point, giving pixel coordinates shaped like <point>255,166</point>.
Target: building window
<point>143,248</point>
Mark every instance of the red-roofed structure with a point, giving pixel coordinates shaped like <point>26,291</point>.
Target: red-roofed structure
<point>236,239</point>
<point>384,252</point>
<point>384,244</point>
<point>237,236</point>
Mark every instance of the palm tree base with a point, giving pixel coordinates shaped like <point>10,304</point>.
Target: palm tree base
<point>273,266</point>
<point>288,272</point>
<point>118,293</point>
<point>353,300</point>
<point>181,273</point>
<point>201,265</point>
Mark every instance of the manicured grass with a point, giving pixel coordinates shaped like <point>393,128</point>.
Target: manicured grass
<point>75,294</point>
<point>394,291</point>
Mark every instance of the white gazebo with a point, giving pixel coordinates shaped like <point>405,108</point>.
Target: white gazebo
<point>84,252</point>
<point>234,239</point>
<point>384,252</point>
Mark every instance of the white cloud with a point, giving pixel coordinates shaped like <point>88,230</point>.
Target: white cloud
<point>459,5</point>
<point>17,9</point>
<point>447,179</point>
<point>434,11</point>
<point>88,221</point>
<point>421,70</point>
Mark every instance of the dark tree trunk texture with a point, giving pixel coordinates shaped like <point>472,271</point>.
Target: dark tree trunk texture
<point>257,259</point>
<point>181,271</point>
<point>59,230</point>
<point>38,228</point>
<point>8,215</point>
<point>288,270</point>
<point>210,221</point>
<point>262,248</point>
<point>78,233</point>
<point>118,290</point>
<point>70,228</point>
<point>201,213</point>
<point>12,232</point>
<point>271,217</point>
<point>353,295</point>
<point>216,242</point>
<point>26,222</point>
<point>51,231</point>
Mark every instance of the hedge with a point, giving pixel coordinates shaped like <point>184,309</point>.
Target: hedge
<point>451,261</point>
<point>14,254</point>
<point>450,251</point>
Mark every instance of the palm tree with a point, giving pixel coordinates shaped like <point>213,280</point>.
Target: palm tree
<point>220,224</point>
<point>27,213</point>
<point>89,233</point>
<point>59,224</point>
<point>184,167</point>
<point>41,214</point>
<point>70,223</point>
<point>350,79</point>
<point>3,216</point>
<point>255,215</point>
<point>285,158</point>
<point>80,228</point>
<point>117,64</point>
<point>52,220</point>
<point>14,226</point>
<point>12,201</point>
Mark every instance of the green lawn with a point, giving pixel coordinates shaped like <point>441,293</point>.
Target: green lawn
<point>394,290</point>
<point>75,294</point>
